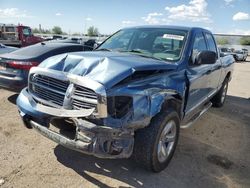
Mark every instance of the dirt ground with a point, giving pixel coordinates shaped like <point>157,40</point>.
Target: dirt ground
<point>214,152</point>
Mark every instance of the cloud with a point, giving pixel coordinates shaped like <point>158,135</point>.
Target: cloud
<point>58,14</point>
<point>128,22</point>
<point>153,18</point>
<point>195,11</point>
<point>166,21</point>
<point>228,2</point>
<point>241,16</point>
<point>209,28</point>
<point>13,13</point>
<point>88,19</point>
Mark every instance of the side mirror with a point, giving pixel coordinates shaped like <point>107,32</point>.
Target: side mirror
<point>95,46</point>
<point>206,57</point>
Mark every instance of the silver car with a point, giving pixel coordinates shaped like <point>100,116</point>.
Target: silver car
<point>240,55</point>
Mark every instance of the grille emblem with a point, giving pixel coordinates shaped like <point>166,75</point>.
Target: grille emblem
<point>69,91</point>
<point>68,95</point>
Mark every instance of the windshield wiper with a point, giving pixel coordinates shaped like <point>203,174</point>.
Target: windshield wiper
<point>136,51</point>
<point>153,57</point>
<point>144,53</point>
<point>103,49</point>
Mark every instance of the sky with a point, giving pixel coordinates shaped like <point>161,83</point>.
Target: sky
<point>219,16</point>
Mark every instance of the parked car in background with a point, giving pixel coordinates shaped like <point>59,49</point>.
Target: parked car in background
<point>54,37</point>
<point>88,45</point>
<point>131,95</point>
<point>15,66</point>
<point>245,51</point>
<point>6,49</point>
<point>240,55</point>
<point>17,35</point>
<point>225,51</point>
<point>68,40</point>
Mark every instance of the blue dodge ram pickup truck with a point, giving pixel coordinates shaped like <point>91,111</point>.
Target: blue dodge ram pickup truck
<point>131,95</point>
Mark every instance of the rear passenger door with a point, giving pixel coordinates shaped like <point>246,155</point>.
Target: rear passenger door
<point>198,76</point>
<point>214,68</point>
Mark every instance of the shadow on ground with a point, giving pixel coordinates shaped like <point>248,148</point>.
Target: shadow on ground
<point>194,164</point>
<point>12,98</point>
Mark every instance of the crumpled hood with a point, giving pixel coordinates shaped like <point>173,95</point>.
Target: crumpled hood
<point>107,68</point>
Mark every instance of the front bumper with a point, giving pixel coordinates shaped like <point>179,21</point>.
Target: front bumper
<point>89,138</point>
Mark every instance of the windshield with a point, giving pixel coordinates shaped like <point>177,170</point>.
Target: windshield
<point>27,31</point>
<point>159,43</point>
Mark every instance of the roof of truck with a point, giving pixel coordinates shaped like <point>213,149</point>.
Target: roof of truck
<point>169,27</point>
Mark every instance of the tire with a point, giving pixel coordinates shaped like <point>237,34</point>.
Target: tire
<point>150,144</point>
<point>219,99</point>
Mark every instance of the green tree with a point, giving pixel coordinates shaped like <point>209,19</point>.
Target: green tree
<point>245,40</point>
<point>93,31</point>
<point>35,30</point>
<point>57,30</point>
<point>46,31</point>
<point>222,41</point>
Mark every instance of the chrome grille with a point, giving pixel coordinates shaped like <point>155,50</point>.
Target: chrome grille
<point>84,98</point>
<point>47,88</point>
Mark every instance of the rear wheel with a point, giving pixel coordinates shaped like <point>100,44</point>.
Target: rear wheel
<point>219,99</point>
<point>155,145</point>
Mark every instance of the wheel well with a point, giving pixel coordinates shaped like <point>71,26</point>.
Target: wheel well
<point>228,76</point>
<point>173,102</point>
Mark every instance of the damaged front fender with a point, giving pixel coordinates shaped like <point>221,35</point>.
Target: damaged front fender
<point>148,96</point>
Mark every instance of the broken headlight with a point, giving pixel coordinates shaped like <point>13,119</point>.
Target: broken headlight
<point>119,106</point>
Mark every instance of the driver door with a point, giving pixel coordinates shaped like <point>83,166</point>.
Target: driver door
<point>198,77</point>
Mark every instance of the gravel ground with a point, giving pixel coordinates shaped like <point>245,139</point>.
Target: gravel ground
<point>214,152</point>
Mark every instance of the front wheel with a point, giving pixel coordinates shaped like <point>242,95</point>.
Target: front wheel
<point>219,99</point>
<point>155,145</point>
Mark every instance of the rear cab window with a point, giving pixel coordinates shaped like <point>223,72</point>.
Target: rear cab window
<point>211,42</point>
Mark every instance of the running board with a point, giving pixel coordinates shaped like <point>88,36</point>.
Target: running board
<point>206,107</point>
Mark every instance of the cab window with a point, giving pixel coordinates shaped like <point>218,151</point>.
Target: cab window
<point>198,46</point>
